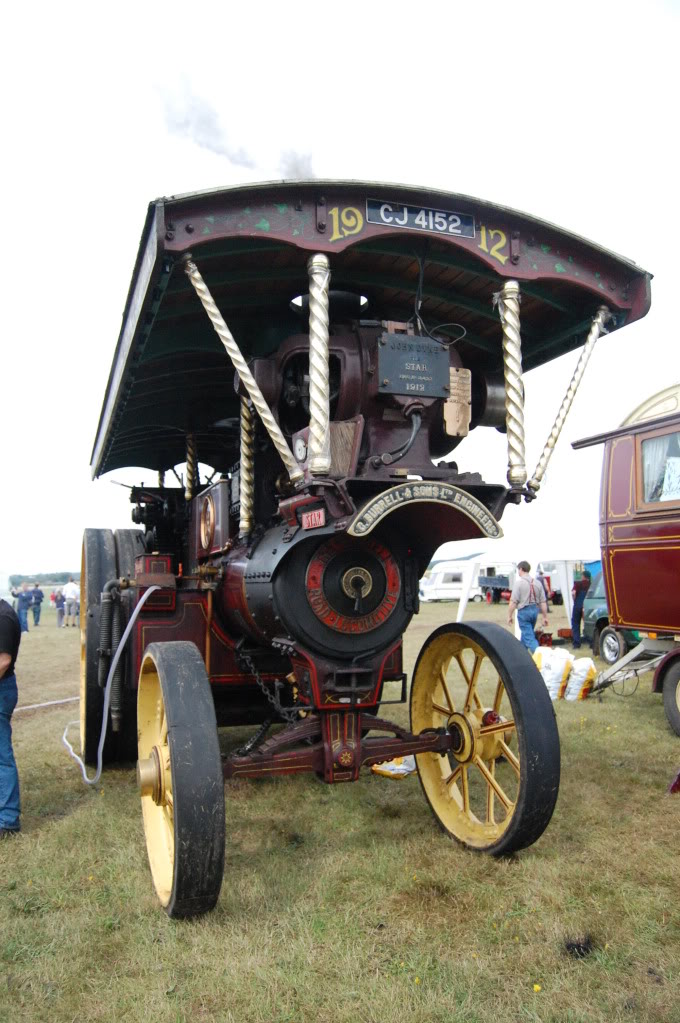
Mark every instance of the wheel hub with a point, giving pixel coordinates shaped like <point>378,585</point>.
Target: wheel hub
<point>462,732</point>
<point>152,776</point>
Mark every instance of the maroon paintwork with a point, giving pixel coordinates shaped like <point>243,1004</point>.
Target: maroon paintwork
<point>639,540</point>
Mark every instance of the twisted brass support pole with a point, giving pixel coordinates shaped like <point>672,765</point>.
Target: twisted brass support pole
<point>246,468</point>
<point>191,467</point>
<point>319,383</point>
<point>508,308</point>
<point>597,327</point>
<point>161,478</point>
<point>241,366</point>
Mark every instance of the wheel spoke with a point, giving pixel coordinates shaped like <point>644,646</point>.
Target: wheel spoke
<point>465,788</point>
<point>505,800</point>
<point>490,796</point>
<point>497,726</point>
<point>442,710</point>
<point>500,689</point>
<point>510,757</point>
<point>447,694</point>
<point>454,775</point>
<point>472,684</point>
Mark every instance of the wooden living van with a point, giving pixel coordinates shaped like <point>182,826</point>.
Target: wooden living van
<point>640,530</point>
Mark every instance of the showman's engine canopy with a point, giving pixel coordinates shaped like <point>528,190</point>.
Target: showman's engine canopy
<point>313,356</point>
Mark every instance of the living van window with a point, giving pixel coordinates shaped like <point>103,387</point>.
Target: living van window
<point>452,577</point>
<point>661,468</point>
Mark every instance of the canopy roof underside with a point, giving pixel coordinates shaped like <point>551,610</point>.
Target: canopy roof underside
<point>171,375</point>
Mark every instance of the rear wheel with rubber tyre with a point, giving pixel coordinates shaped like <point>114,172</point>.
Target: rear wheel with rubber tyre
<point>495,791</point>
<point>671,696</point>
<point>180,778</point>
<point>98,566</point>
<point>612,645</point>
<point>129,545</point>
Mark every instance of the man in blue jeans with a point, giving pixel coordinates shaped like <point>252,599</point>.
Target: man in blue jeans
<point>24,600</point>
<point>10,637</point>
<point>37,597</point>
<point>527,596</point>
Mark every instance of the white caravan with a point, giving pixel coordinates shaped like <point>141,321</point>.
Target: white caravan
<point>444,580</point>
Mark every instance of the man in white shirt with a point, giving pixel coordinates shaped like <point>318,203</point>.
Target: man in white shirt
<point>71,594</point>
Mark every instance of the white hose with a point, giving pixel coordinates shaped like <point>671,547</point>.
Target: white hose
<point>107,697</point>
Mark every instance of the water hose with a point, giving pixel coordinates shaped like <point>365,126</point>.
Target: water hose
<point>107,697</point>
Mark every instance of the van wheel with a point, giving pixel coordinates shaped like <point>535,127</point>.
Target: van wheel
<point>671,696</point>
<point>612,645</point>
<point>595,645</point>
<point>477,599</point>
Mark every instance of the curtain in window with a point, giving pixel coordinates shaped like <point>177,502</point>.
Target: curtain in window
<point>654,454</point>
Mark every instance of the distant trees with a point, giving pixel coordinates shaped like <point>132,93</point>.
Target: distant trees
<point>44,578</point>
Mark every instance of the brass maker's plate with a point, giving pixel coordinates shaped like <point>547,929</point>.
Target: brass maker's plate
<point>426,493</point>
<point>415,366</point>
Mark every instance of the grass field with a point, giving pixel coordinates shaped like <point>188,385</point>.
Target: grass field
<point>346,903</point>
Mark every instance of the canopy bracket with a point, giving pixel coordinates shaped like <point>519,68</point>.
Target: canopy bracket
<point>597,327</point>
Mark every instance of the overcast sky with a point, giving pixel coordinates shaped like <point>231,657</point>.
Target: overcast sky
<point>568,112</point>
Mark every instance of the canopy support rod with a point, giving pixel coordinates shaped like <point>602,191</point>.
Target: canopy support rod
<point>319,374</point>
<point>597,327</point>
<point>272,427</point>
<point>192,465</point>
<point>246,468</point>
<point>508,309</point>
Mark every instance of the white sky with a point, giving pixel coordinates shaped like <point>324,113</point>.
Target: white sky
<point>567,112</point>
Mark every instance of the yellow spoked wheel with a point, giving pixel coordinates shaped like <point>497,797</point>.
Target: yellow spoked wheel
<point>496,789</point>
<point>179,773</point>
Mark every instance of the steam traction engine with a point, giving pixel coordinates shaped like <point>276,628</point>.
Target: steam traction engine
<point>370,329</point>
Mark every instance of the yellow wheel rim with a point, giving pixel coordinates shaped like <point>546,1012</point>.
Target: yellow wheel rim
<point>155,777</point>
<point>474,789</point>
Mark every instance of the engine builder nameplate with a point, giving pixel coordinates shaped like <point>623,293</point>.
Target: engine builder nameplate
<point>430,493</point>
<point>413,366</point>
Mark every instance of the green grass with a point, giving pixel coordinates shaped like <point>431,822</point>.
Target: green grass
<point>347,902</point>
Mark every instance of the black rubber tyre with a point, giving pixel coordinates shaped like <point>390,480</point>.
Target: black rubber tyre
<point>612,645</point>
<point>671,696</point>
<point>557,599</point>
<point>98,566</point>
<point>499,684</point>
<point>184,818</point>
<point>595,645</point>
<point>129,544</point>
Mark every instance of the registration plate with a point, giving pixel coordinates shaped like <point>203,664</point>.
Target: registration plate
<point>420,218</point>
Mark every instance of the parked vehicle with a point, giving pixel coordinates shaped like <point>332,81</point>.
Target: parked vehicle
<point>639,523</point>
<point>445,581</point>
<point>278,589</point>
<point>607,642</point>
